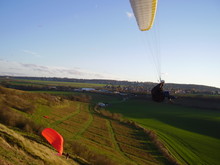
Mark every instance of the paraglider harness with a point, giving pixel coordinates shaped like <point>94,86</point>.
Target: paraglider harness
<point>158,94</point>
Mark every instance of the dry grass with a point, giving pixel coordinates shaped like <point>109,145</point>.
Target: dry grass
<point>91,156</point>
<point>131,130</point>
<point>15,119</point>
<point>142,161</point>
<point>24,101</point>
<point>98,139</point>
<point>99,132</point>
<point>81,98</point>
<point>117,138</point>
<point>18,150</point>
<point>99,123</point>
<point>144,154</point>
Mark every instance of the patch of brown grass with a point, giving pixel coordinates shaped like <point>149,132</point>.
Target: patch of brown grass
<point>136,152</point>
<point>103,133</point>
<point>25,101</point>
<point>114,116</point>
<point>95,158</point>
<point>99,123</point>
<point>98,139</point>
<point>125,127</point>
<point>16,149</point>
<point>15,119</point>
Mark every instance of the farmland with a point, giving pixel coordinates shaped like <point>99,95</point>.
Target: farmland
<point>188,129</point>
<point>42,83</point>
<point>89,136</point>
<point>76,122</point>
<point>191,134</point>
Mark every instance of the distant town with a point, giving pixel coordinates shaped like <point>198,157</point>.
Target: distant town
<point>108,86</point>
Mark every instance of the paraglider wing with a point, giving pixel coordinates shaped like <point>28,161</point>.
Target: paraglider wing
<point>54,138</point>
<point>144,11</point>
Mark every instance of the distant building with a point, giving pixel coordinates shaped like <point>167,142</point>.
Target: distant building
<point>88,89</point>
<point>101,104</point>
<point>104,91</point>
<point>123,94</point>
<point>77,90</point>
<point>52,87</point>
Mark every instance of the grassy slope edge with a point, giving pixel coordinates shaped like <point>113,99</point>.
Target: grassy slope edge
<point>191,134</point>
<point>86,134</point>
<point>16,149</point>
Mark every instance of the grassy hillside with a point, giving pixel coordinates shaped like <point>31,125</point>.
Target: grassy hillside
<point>43,83</point>
<point>17,149</point>
<point>191,134</point>
<point>20,141</point>
<point>88,136</point>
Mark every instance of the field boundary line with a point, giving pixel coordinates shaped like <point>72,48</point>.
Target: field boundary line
<point>146,160</point>
<point>115,143</point>
<point>68,116</point>
<point>86,125</point>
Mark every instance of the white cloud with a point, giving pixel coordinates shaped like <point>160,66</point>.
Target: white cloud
<point>31,53</point>
<point>8,68</point>
<point>130,15</point>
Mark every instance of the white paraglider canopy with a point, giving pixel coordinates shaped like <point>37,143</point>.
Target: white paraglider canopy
<point>144,11</point>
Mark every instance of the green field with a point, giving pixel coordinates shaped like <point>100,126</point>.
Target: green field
<point>76,122</point>
<point>50,83</point>
<point>88,136</point>
<point>192,135</point>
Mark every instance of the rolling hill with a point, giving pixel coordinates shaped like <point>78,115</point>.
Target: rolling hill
<point>91,137</point>
<point>191,133</point>
<point>71,82</point>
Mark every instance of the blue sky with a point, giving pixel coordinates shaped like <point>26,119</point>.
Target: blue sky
<point>100,39</point>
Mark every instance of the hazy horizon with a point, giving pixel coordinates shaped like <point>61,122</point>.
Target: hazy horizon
<point>100,39</point>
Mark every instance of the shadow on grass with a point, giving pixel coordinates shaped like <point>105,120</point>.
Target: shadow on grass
<point>191,119</point>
